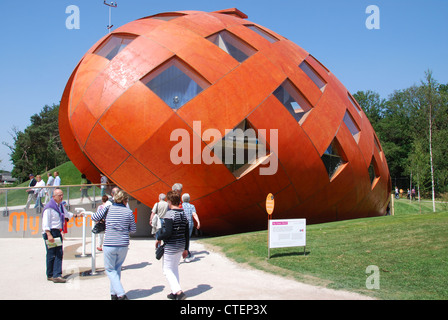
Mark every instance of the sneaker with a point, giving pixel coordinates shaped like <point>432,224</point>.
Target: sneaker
<point>181,296</point>
<point>187,260</point>
<point>49,278</point>
<point>113,297</point>
<point>123,298</point>
<point>171,296</point>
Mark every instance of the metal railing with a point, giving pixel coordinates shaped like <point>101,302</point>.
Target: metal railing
<point>17,198</point>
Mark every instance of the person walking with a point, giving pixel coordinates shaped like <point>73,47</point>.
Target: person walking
<point>105,203</point>
<point>39,193</point>
<point>49,189</point>
<point>177,187</point>
<point>176,246</point>
<point>190,211</point>
<point>52,222</point>
<point>57,179</point>
<point>158,211</point>
<point>120,222</point>
<point>104,183</point>
<point>30,191</point>
<point>84,188</point>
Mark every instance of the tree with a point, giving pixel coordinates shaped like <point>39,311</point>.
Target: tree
<point>410,121</point>
<point>418,165</point>
<point>372,104</point>
<point>432,102</point>
<point>39,146</point>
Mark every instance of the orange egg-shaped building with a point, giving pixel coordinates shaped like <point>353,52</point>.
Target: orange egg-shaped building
<point>231,110</point>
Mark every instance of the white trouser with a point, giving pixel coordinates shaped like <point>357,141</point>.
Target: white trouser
<point>171,270</point>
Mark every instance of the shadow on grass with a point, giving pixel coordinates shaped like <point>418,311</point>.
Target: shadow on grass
<point>290,254</point>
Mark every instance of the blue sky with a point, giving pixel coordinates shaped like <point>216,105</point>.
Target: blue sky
<point>38,53</point>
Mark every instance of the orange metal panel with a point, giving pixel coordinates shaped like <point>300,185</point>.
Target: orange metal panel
<point>366,141</point>
<point>125,175</point>
<point>83,120</point>
<point>139,27</point>
<point>110,155</point>
<point>135,116</point>
<point>250,36</point>
<point>207,25</point>
<point>172,36</point>
<point>286,55</point>
<point>150,195</point>
<point>88,70</point>
<point>229,20</point>
<point>322,123</point>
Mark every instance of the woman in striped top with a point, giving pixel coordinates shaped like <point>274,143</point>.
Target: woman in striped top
<point>120,223</point>
<point>176,246</point>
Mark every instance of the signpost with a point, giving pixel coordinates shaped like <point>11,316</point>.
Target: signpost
<point>284,233</point>
<point>269,209</point>
<point>287,233</point>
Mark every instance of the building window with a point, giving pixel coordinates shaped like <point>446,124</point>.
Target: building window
<point>351,125</point>
<point>312,74</point>
<point>241,149</point>
<point>373,172</point>
<point>232,45</point>
<point>293,100</point>
<point>333,158</point>
<point>114,45</point>
<point>354,103</point>
<point>263,33</point>
<point>377,143</point>
<point>175,83</point>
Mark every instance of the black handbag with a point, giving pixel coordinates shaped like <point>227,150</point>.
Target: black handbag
<point>160,251</point>
<point>166,229</point>
<point>100,226</point>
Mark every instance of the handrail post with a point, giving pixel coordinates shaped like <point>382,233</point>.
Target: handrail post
<point>83,211</point>
<point>68,198</point>
<point>93,251</point>
<point>6,212</point>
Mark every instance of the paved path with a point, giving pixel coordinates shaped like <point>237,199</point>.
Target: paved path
<point>210,276</point>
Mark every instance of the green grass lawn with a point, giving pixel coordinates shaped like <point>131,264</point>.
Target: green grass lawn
<point>409,249</point>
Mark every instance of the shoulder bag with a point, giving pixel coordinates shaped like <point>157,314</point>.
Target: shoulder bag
<point>166,230</point>
<point>100,226</point>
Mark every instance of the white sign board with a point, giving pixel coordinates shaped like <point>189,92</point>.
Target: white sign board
<point>287,233</point>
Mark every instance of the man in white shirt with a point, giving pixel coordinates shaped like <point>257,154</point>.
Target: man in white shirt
<point>57,179</point>
<point>52,223</point>
<point>49,191</point>
<point>39,192</point>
